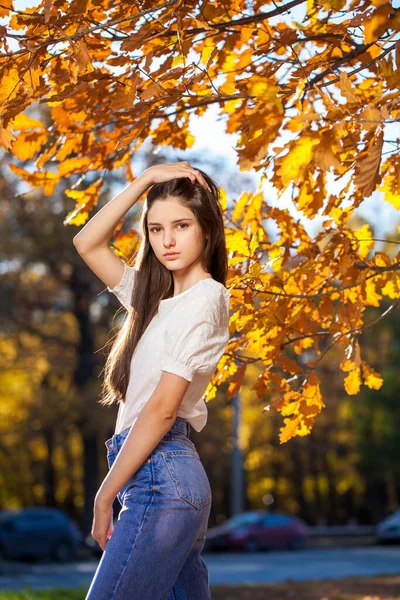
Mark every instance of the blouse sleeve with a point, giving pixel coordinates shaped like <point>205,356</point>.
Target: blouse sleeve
<point>194,344</point>
<point>123,290</point>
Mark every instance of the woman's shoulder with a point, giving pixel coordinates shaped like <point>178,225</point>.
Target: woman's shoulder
<point>214,289</point>
<point>212,300</point>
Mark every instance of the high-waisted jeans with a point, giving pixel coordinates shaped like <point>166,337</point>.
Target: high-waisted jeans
<point>154,550</point>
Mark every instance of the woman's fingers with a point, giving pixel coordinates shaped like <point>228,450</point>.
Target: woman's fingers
<point>200,178</point>
<point>204,183</point>
<point>197,175</point>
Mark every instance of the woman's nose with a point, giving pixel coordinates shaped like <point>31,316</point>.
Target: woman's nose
<point>168,242</point>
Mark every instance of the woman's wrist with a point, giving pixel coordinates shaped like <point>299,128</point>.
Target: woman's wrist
<point>145,178</point>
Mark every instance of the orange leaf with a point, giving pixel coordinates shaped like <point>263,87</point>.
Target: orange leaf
<point>367,171</point>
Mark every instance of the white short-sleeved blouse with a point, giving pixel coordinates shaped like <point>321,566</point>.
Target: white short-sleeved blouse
<point>187,337</point>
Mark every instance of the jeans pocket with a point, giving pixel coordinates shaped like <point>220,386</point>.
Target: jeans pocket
<point>189,476</point>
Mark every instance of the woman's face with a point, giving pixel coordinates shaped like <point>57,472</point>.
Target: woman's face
<point>174,228</point>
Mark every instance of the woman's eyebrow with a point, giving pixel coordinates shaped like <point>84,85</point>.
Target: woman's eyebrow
<point>176,221</point>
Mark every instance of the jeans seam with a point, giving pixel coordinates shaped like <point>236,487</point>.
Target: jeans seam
<point>137,535</point>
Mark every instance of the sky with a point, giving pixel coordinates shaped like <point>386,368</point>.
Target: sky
<point>211,139</point>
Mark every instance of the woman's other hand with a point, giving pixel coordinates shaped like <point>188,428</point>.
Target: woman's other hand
<point>103,526</point>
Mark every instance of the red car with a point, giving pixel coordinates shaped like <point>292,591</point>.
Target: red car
<point>258,530</point>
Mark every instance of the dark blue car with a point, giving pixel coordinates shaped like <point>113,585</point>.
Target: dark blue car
<point>38,532</point>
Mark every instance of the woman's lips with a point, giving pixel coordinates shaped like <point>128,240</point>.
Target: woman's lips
<point>172,256</point>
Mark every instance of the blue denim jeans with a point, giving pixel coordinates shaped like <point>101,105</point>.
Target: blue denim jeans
<point>154,550</point>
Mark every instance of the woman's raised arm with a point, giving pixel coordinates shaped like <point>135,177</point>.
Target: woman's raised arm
<point>92,242</point>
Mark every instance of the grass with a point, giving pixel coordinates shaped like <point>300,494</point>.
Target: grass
<point>385,587</point>
<point>53,594</point>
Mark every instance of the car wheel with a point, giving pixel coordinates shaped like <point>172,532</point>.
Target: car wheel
<point>296,543</point>
<point>62,552</point>
<point>251,545</point>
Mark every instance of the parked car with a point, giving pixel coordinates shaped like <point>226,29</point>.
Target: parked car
<point>388,530</point>
<point>38,532</point>
<point>257,530</point>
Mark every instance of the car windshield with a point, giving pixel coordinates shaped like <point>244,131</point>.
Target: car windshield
<point>244,519</point>
<point>277,520</point>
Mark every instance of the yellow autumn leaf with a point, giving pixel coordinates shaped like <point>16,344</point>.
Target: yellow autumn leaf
<point>82,57</point>
<point>372,379</point>
<point>291,409</point>
<point>86,200</point>
<point>303,344</point>
<point>365,241</point>
<point>6,137</point>
<point>154,90</point>
<point>264,89</point>
<point>256,238</point>
<point>347,89</point>
<point>288,365</point>
<point>29,143</point>
<point>6,6</point>
<point>381,259</point>
<point>375,25</point>
<point>77,217</point>
<point>32,77</point>
<point>22,122</point>
<point>237,242</point>
<point>312,393</point>
<point>392,287</point>
<point>348,365</point>
<point>44,179</point>
<point>240,206</point>
<point>207,49</point>
<point>276,257</point>
<point>352,382</point>
<point>390,187</point>
<point>9,85</point>
<point>289,430</point>
<point>293,426</point>
<point>74,165</point>
<point>299,155</point>
<point>371,296</point>
<point>223,198</point>
<point>393,198</point>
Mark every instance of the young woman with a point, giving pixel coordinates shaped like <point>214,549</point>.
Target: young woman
<point>175,332</point>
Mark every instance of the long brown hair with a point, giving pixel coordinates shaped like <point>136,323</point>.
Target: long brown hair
<point>154,281</point>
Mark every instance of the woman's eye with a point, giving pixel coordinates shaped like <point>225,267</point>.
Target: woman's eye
<point>153,229</point>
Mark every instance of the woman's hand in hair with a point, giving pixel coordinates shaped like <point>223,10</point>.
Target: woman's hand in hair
<point>167,171</point>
